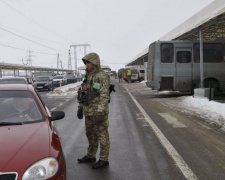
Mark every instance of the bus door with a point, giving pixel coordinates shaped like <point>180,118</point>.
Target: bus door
<point>183,62</point>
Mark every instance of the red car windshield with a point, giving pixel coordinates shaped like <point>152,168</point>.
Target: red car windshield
<point>19,107</point>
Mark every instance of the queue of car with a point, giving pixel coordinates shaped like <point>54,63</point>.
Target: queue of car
<point>30,145</point>
<point>49,83</point>
<point>41,82</point>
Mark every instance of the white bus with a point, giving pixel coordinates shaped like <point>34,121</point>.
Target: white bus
<point>175,65</point>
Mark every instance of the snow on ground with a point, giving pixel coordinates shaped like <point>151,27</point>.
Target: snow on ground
<point>211,111</point>
<point>67,90</point>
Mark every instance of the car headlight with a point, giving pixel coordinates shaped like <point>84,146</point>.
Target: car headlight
<point>42,169</point>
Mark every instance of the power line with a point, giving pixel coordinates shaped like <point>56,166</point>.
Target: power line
<point>13,29</point>
<point>13,47</point>
<point>31,40</point>
<point>24,49</point>
<point>34,21</point>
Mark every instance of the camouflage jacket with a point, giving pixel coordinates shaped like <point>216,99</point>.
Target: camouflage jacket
<point>98,103</point>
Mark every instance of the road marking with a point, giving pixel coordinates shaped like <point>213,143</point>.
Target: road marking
<point>53,109</point>
<point>59,97</point>
<point>172,120</point>
<point>204,126</point>
<point>185,169</point>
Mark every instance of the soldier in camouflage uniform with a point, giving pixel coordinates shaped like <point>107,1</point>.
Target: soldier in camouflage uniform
<point>96,111</point>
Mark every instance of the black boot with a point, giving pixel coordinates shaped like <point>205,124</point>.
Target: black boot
<point>86,159</point>
<point>100,164</point>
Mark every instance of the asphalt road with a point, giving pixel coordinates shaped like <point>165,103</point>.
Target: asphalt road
<point>137,152</point>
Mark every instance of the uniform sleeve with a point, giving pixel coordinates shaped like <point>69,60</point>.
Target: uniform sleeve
<point>80,105</point>
<point>104,93</point>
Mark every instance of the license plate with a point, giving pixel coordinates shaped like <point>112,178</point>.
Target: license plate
<point>40,87</point>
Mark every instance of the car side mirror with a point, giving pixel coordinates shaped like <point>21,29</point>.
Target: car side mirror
<point>56,115</point>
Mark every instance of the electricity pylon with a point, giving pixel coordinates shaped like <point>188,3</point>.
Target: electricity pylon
<point>29,60</point>
<point>75,53</point>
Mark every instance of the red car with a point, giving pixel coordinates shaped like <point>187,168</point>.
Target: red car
<point>30,147</point>
<point>17,80</point>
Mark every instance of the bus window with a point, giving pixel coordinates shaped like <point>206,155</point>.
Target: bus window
<point>212,52</point>
<point>134,71</point>
<point>166,53</point>
<point>183,56</point>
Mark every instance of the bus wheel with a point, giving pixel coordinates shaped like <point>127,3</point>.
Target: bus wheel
<point>214,84</point>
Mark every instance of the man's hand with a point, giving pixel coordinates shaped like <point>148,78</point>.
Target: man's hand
<point>80,113</point>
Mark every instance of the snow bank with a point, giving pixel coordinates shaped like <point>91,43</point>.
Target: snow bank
<point>67,90</point>
<point>211,111</point>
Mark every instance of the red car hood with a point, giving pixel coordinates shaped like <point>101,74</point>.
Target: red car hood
<point>22,145</point>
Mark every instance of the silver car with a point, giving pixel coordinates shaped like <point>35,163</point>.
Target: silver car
<point>59,80</point>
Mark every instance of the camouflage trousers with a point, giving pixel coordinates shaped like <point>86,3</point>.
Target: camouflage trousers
<point>97,133</point>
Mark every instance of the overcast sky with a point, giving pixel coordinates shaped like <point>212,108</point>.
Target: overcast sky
<point>115,29</point>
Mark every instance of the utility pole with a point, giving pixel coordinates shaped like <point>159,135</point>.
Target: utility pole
<point>69,61</point>
<point>85,50</point>
<point>58,61</point>
<point>61,64</point>
<point>29,60</point>
<point>75,53</point>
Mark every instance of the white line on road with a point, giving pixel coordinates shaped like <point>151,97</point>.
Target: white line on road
<point>172,120</point>
<point>204,126</point>
<point>53,109</point>
<point>185,169</point>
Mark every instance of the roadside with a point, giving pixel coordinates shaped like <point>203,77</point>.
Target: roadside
<point>211,112</point>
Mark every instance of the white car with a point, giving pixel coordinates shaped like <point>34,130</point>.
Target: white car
<point>59,80</point>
